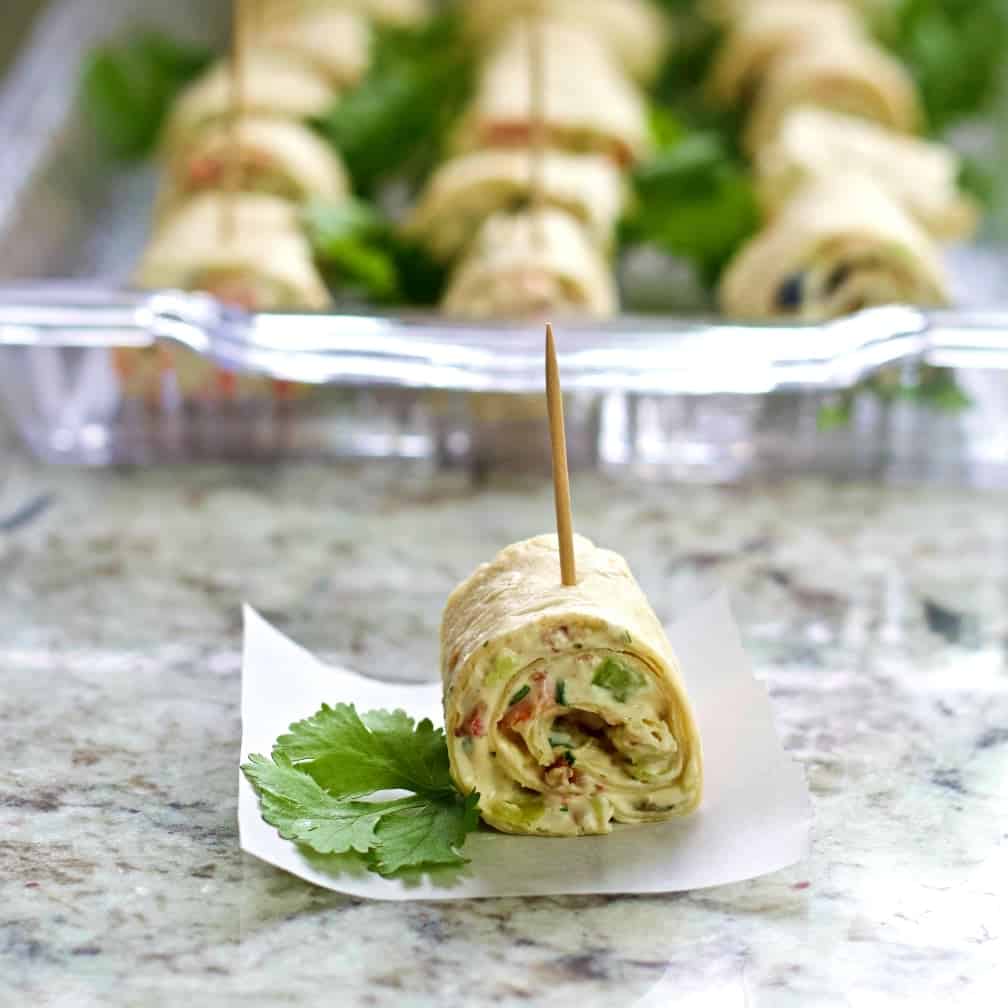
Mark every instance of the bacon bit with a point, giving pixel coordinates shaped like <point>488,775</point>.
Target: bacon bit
<point>474,725</point>
<point>519,713</point>
<point>520,134</point>
<point>208,171</point>
<point>543,694</point>
<point>559,774</point>
<point>801,885</point>
<point>204,171</point>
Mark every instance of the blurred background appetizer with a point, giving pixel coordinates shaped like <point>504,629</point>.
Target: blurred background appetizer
<point>839,245</point>
<point>406,136</point>
<point>469,188</point>
<point>816,143</point>
<point>531,263</point>
<point>591,105</point>
<point>634,31</point>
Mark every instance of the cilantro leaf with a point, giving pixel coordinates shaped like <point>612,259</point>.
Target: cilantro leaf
<point>836,413</point>
<point>931,388</point>
<point>301,810</point>
<point>128,87</point>
<point>312,789</point>
<point>694,199</point>
<point>953,48</point>
<point>424,832</point>
<point>349,242</point>
<point>358,248</point>
<point>396,122</point>
<point>350,756</point>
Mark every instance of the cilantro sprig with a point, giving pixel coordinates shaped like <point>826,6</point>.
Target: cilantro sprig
<point>314,789</point>
<point>127,88</point>
<point>361,251</point>
<point>396,122</point>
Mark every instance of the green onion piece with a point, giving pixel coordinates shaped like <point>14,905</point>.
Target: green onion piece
<point>561,693</point>
<point>617,678</point>
<point>520,695</point>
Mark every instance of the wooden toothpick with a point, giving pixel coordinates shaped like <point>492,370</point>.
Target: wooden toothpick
<point>537,117</point>
<point>561,478</point>
<point>233,168</point>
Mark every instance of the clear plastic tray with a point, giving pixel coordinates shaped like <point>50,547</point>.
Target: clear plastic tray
<point>669,394</point>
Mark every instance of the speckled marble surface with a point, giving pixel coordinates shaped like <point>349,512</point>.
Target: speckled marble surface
<point>877,616</point>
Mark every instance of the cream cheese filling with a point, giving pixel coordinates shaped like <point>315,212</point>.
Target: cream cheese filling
<point>568,742</point>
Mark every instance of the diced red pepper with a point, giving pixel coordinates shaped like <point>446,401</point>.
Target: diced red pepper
<point>475,724</point>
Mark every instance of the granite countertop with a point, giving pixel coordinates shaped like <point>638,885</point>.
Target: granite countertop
<point>877,616</point>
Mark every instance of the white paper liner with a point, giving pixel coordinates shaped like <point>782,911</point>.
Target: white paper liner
<point>754,818</point>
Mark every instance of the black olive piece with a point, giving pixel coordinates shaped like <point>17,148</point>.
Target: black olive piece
<point>837,278</point>
<point>790,292</point>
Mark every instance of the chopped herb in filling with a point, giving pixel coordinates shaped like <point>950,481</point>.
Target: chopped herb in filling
<point>561,693</point>
<point>519,695</point>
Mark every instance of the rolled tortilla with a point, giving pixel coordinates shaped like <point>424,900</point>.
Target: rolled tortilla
<point>466,190</point>
<point>634,31</point>
<point>729,11</point>
<point>272,85</point>
<point>259,259</point>
<point>526,264</point>
<point>564,706</point>
<point>280,157</point>
<point>334,40</point>
<point>847,76</point>
<point>590,104</point>
<point>393,12</point>
<point>921,175</point>
<point>840,244</point>
<point>766,31</point>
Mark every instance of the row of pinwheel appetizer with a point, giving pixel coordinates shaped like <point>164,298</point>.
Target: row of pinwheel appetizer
<point>228,217</point>
<point>523,236</point>
<point>854,204</point>
<point>817,195</point>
